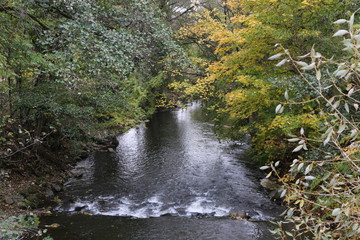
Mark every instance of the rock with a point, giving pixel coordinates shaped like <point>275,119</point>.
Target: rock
<point>56,187</point>
<point>78,175</point>
<point>22,205</point>
<point>167,215</point>
<point>111,150</point>
<point>203,215</point>
<point>114,141</point>
<point>9,200</point>
<point>79,208</point>
<point>197,215</point>
<point>83,155</point>
<point>49,193</point>
<point>32,189</point>
<point>240,215</point>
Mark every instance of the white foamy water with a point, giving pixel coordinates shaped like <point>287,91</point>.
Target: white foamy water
<point>151,207</point>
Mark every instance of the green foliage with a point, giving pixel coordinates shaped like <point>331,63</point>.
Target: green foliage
<point>22,227</point>
<point>79,68</point>
<point>271,139</point>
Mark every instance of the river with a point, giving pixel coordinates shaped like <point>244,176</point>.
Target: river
<point>170,179</point>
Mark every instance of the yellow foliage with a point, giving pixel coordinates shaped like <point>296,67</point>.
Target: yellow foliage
<point>239,79</point>
<point>243,102</point>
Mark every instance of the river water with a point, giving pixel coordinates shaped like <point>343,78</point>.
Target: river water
<point>171,178</point>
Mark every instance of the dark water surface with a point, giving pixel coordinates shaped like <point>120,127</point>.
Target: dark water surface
<point>171,179</point>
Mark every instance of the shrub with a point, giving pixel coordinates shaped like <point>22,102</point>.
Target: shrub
<point>21,227</point>
<point>321,187</point>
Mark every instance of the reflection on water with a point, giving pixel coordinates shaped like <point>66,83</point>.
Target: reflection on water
<point>174,165</point>
<point>80,227</point>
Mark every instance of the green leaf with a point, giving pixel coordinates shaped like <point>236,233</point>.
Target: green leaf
<point>310,178</point>
<point>282,62</point>
<point>300,166</point>
<point>336,212</point>
<point>278,108</point>
<point>336,104</point>
<point>298,148</point>
<point>290,213</point>
<point>351,91</point>
<point>340,21</point>
<point>318,75</point>
<point>341,128</point>
<point>309,67</point>
<point>276,56</point>
<point>302,131</point>
<point>308,169</point>
<point>286,95</point>
<point>302,64</point>
<point>356,106</point>
<point>294,139</point>
<point>340,33</point>
<point>351,21</point>
<point>341,73</point>
<point>355,226</point>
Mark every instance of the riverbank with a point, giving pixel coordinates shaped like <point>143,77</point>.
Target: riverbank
<point>25,188</point>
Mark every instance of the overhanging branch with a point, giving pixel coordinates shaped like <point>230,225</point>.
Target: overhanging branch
<point>10,10</point>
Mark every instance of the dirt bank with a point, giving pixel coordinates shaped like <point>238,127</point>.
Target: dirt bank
<point>31,182</point>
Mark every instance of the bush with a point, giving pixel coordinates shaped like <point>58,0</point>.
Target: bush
<point>21,227</point>
<point>321,187</point>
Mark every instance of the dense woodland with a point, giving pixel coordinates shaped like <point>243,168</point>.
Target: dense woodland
<point>285,72</point>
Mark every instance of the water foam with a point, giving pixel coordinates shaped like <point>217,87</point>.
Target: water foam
<point>151,207</point>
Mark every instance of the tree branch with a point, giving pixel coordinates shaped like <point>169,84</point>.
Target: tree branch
<point>5,8</point>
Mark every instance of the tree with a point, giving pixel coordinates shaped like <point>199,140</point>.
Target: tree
<point>79,68</point>
<point>240,85</point>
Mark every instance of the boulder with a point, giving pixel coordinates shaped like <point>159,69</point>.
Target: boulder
<point>79,208</point>
<point>78,175</point>
<point>23,205</point>
<point>49,193</point>
<point>9,200</point>
<point>56,187</point>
